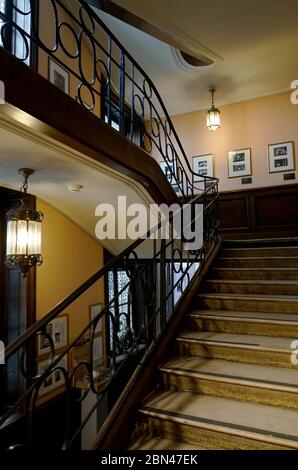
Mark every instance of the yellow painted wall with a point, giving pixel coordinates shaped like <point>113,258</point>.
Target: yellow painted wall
<point>70,257</point>
<point>253,124</point>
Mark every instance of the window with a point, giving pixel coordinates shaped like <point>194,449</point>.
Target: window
<point>18,12</point>
<point>130,124</point>
<point>114,124</point>
<point>2,10</point>
<point>121,309</point>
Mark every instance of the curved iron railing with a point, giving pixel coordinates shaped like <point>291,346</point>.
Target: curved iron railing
<point>105,79</point>
<point>161,280</point>
<point>101,75</point>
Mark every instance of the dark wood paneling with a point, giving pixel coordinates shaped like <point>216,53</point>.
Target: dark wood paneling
<point>17,300</point>
<point>236,218</point>
<point>277,210</point>
<point>264,212</point>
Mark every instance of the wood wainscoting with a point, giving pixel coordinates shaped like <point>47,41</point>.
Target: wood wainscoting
<point>261,213</point>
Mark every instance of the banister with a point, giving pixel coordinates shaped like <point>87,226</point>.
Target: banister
<point>61,306</point>
<point>158,132</point>
<point>158,291</point>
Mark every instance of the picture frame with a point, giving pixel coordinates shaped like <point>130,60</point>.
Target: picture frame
<point>165,167</point>
<point>57,329</point>
<point>94,310</point>
<point>58,76</point>
<point>55,380</point>
<point>80,354</point>
<point>239,163</point>
<point>204,165</point>
<point>281,157</point>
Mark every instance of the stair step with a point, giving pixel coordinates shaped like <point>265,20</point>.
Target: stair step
<point>255,323</point>
<point>245,302</point>
<point>266,350</point>
<point>257,262</point>
<point>254,273</point>
<point>220,422</point>
<point>259,242</point>
<point>159,443</point>
<point>262,384</point>
<point>236,286</point>
<point>260,251</point>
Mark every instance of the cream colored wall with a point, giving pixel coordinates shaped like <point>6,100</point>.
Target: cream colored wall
<point>253,124</point>
<point>70,257</point>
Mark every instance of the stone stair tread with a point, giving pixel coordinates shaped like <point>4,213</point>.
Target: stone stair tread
<point>239,340</point>
<point>290,318</point>
<point>264,422</point>
<point>235,248</point>
<point>220,369</point>
<point>265,282</point>
<point>283,297</point>
<point>263,241</point>
<point>258,257</point>
<point>274,268</point>
<point>159,443</point>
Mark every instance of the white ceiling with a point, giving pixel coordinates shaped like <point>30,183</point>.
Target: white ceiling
<point>58,166</point>
<point>257,40</point>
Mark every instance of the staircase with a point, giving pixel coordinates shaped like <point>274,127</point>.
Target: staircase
<point>231,384</point>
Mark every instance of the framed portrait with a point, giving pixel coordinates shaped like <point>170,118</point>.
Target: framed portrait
<point>166,169</point>
<point>203,165</point>
<point>239,163</point>
<point>94,310</point>
<point>56,379</point>
<point>58,76</point>
<point>281,157</point>
<point>57,329</point>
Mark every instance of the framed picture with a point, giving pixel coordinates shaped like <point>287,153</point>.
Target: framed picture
<point>56,379</point>
<point>239,162</point>
<point>80,354</point>
<point>58,76</point>
<point>166,169</point>
<point>281,157</point>
<point>57,329</point>
<point>94,310</point>
<point>203,165</point>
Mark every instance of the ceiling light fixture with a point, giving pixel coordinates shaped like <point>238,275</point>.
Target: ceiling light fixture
<point>213,114</point>
<point>23,243</point>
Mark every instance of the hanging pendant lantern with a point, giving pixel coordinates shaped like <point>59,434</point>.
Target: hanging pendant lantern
<point>23,243</point>
<point>213,115</point>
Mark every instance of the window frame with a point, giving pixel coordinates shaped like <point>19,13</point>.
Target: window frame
<point>10,40</point>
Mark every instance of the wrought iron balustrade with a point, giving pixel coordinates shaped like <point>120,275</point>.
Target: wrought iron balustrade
<point>104,79</point>
<point>161,278</point>
<point>100,74</point>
